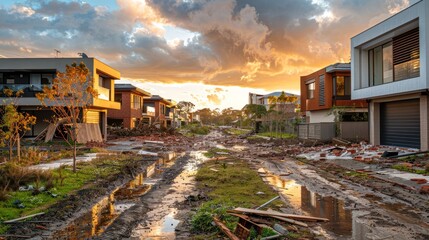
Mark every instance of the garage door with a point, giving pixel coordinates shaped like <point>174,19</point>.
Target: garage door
<point>93,117</point>
<point>400,123</point>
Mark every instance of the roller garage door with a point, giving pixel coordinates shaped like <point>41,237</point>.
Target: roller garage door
<point>400,123</point>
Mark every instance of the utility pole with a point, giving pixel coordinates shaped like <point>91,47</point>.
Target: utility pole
<point>57,52</point>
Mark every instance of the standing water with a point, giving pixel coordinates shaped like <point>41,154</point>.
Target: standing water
<point>340,219</point>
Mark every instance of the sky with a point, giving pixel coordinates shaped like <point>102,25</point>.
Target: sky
<point>210,52</point>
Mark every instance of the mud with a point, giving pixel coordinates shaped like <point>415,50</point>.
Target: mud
<point>358,208</point>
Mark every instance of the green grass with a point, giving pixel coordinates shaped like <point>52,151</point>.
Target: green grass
<point>411,170</point>
<point>191,130</point>
<point>214,152</point>
<point>87,173</point>
<point>233,185</point>
<point>354,174</point>
<point>277,135</point>
<point>237,131</point>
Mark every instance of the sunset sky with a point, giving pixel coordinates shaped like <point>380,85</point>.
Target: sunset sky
<point>209,52</point>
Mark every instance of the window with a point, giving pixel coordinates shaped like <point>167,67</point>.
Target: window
<point>396,60</point>
<point>47,78</point>
<point>136,102</point>
<point>310,90</point>
<point>118,97</point>
<point>162,108</point>
<point>342,86</point>
<point>321,90</point>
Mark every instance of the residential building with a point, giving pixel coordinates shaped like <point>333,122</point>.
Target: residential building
<point>390,71</point>
<point>254,98</point>
<point>160,106</point>
<point>327,88</point>
<point>32,74</point>
<point>131,99</point>
<point>261,99</point>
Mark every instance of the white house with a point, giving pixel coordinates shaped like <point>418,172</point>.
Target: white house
<point>389,70</point>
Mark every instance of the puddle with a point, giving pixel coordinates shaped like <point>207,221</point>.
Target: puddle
<point>315,205</point>
<point>103,213</point>
<point>66,161</point>
<point>161,222</point>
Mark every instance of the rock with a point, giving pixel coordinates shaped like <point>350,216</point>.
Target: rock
<point>424,189</point>
<point>419,180</point>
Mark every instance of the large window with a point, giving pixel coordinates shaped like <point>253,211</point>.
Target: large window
<point>396,60</point>
<point>310,90</point>
<point>342,86</point>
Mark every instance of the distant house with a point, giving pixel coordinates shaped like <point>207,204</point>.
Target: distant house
<point>327,106</point>
<point>325,89</point>
<point>32,74</point>
<point>264,100</point>
<point>390,70</point>
<point>131,99</point>
<point>162,115</point>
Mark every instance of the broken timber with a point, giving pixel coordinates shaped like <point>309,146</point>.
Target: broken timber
<point>225,229</point>
<point>22,218</point>
<point>278,214</point>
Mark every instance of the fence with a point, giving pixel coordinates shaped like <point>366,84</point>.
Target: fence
<point>354,131</point>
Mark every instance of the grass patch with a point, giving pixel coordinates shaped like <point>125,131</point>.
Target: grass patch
<point>236,131</point>
<point>23,203</point>
<point>354,174</point>
<point>233,185</point>
<point>404,168</point>
<point>215,152</point>
<point>277,135</point>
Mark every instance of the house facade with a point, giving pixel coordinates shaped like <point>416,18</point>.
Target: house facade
<point>131,99</point>
<point>389,70</point>
<point>325,89</point>
<point>32,74</point>
<point>162,110</point>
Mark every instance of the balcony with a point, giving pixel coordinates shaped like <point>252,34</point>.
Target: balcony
<point>30,90</point>
<point>103,93</point>
<point>149,111</point>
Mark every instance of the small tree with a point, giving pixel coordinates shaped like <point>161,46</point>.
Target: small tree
<point>14,124</point>
<point>68,97</point>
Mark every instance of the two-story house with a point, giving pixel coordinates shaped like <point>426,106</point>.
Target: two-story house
<point>131,99</point>
<point>160,105</point>
<point>389,70</point>
<point>327,88</point>
<point>32,74</point>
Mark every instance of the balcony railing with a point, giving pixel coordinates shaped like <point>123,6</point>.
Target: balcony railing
<point>149,113</point>
<point>24,87</point>
<point>103,93</point>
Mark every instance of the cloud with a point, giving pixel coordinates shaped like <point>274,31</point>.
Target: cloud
<point>261,44</point>
<point>213,98</point>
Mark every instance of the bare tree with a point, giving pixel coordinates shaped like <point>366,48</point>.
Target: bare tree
<point>68,97</point>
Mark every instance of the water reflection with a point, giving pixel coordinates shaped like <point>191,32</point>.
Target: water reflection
<point>315,205</point>
<point>104,212</point>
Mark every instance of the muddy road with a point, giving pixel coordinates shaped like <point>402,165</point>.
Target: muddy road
<point>159,204</point>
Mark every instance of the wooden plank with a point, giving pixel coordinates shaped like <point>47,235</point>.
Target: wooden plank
<point>279,214</point>
<point>291,221</point>
<point>225,229</point>
<point>50,132</point>
<point>22,218</point>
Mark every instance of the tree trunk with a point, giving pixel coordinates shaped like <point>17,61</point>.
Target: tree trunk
<point>74,155</point>
<point>18,147</point>
<point>10,148</point>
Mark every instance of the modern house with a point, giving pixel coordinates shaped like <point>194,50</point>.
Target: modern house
<point>390,71</point>
<point>261,99</point>
<point>327,88</point>
<point>32,74</point>
<point>327,107</point>
<point>160,105</point>
<point>131,99</point>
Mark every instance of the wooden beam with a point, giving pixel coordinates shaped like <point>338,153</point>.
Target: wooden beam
<point>279,214</point>
<point>22,218</point>
<point>225,229</point>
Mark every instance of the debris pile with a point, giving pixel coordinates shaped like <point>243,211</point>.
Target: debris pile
<point>260,220</point>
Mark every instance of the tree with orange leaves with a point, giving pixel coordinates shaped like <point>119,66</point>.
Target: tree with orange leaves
<point>68,97</point>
